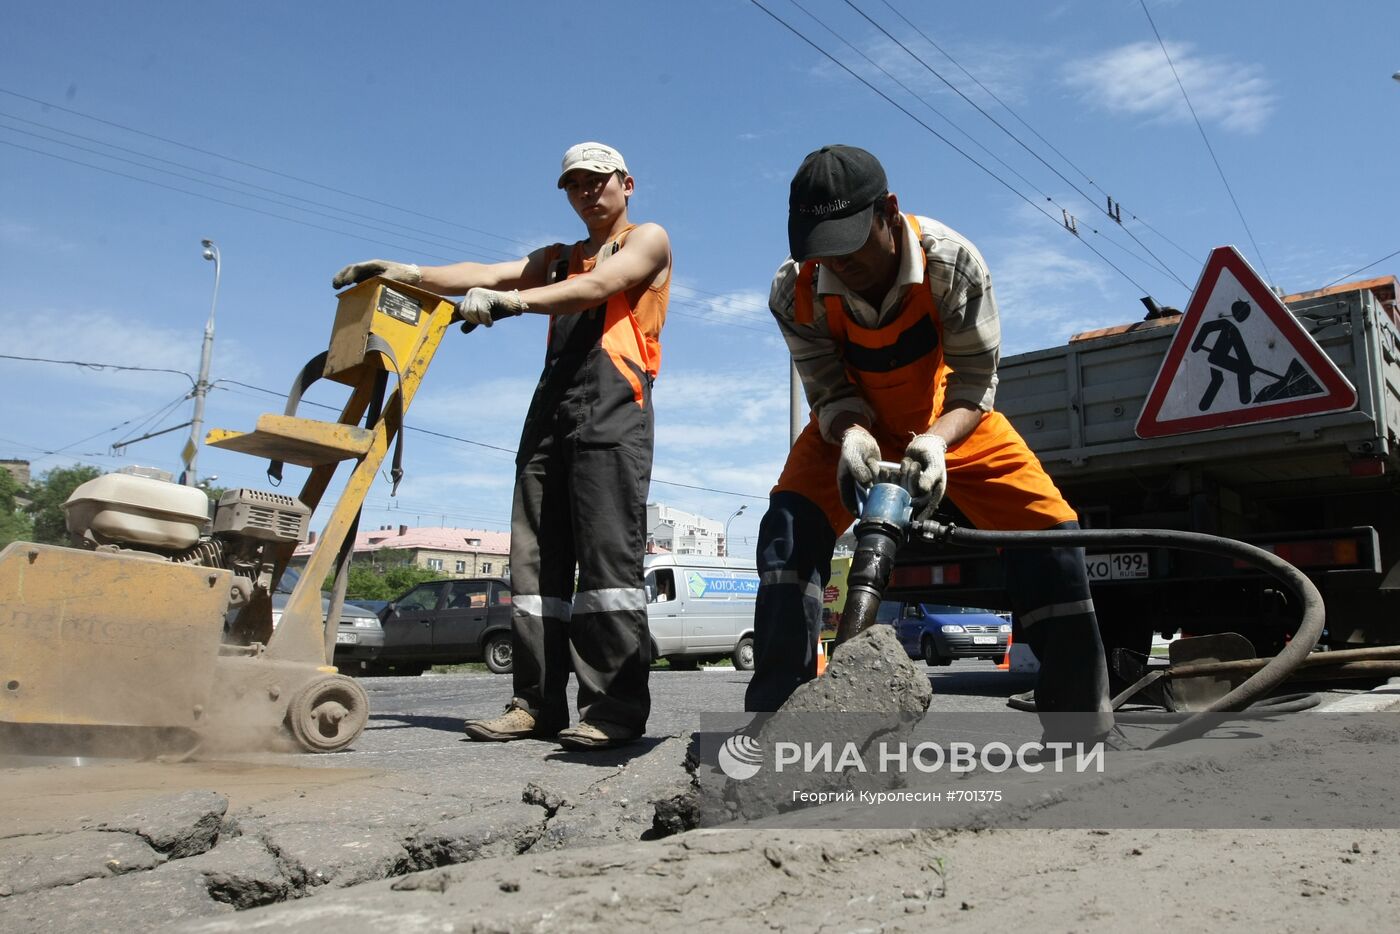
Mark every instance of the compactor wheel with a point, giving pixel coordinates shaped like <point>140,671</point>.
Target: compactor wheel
<point>328,713</point>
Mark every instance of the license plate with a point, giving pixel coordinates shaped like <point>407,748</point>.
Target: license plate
<point>1118,565</point>
<point>984,640</point>
<point>347,638</point>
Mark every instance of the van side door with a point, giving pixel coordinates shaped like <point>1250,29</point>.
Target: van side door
<point>664,612</point>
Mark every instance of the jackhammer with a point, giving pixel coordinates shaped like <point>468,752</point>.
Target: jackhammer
<point>886,523</point>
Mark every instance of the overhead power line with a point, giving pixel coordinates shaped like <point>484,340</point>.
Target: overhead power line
<point>1230,191</point>
<point>1053,148</point>
<point>947,142</point>
<point>87,365</point>
<point>1163,267</point>
<point>482,444</point>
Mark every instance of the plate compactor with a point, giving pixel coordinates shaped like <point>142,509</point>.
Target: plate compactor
<point>155,631</point>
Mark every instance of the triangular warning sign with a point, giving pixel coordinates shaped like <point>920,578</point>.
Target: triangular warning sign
<point>1239,356</point>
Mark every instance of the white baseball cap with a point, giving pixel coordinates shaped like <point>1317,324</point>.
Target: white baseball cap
<point>592,157</point>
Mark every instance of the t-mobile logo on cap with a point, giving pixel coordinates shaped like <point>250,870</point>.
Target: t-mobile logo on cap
<point>829,208</point>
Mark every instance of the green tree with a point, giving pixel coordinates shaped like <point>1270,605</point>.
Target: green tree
<point>368,583</point>
<point>14,524</point>
<point>46,497</point>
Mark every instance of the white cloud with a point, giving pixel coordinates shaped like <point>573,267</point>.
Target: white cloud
<point>1045,292</point>
<point>1136,80</point>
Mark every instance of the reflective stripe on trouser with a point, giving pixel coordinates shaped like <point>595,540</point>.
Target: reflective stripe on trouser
<point>795,542</point>
<point>1049,590</point>
<point>581,506</point>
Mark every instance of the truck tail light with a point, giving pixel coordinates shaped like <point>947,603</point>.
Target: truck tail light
<point>1315,553</point>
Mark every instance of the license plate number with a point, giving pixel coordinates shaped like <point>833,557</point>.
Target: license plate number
<point>984,640</point>
<point>347,638</point>
<point>1118,565</point>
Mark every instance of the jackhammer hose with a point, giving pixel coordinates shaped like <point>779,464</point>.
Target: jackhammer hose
<point>1257,685</point>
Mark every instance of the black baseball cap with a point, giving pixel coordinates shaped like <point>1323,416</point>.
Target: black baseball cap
<point>832,201</point>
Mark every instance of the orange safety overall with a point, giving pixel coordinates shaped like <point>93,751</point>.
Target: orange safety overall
<point>992,475</point>
<point>993,478</point>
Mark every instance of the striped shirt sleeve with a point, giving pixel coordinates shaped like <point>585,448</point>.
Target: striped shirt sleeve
<point>815,354</point>
<point>962,290</point>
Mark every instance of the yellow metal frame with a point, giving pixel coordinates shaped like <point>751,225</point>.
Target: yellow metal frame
<point>412,323</point>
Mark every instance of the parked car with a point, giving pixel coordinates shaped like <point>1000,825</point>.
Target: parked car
<point>374,606</point>
<point>938,633</point>
<point>445,622</point>
<point>701,609</point>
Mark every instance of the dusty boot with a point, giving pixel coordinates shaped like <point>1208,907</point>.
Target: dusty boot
<point>598,734</point>
<point>515,723</point>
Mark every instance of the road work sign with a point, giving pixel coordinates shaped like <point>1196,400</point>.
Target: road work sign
<point>1239,356</point>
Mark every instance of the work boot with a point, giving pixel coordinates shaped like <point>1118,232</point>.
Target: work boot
<point>598,734</point>
<point>515,723</point>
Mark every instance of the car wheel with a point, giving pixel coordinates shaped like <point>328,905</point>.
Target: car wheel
<point>679,663</point>
<point>499,653</point>
<point>743,655</point>
<point>931,656</point>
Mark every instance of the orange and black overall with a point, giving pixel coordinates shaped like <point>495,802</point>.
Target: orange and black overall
<point>582,474</point>
<point>993,478</point>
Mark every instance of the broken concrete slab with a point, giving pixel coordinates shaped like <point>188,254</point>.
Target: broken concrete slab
<point>320,854</point>
<point>240,871</point>
<point>139,901</point>
<point>177,825</point>
<point>869,673</point>
<point>503,829</point>
<point>46,861</point>
<point>871,693</point>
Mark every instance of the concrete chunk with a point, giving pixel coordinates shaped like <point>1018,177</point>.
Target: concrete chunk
<point>45,861</point>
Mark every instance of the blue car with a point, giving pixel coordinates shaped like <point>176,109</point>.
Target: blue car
<point>938,633</point>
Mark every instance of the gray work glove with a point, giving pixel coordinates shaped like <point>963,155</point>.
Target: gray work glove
<point>926,472</point>
<point>484,306</point>
<point>359,272</point>
<point>860,460</point>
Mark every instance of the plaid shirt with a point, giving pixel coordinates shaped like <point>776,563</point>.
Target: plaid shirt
<point>962,291</point>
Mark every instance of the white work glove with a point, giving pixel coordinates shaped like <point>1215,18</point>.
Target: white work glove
<point>925,470</point>
<point>484,306</point>
<point>359,272</point>
<point>860,459</point>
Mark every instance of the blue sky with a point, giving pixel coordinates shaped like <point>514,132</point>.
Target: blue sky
<point>304,136</point>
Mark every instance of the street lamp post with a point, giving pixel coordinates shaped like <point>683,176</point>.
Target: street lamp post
<point>201,388</point>
<point>731,518</point>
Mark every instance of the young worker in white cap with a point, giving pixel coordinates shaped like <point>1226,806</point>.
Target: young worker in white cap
<point>584,463</point>
<point>893,327</point>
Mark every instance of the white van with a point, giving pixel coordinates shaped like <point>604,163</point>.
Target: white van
<point>701,609</point>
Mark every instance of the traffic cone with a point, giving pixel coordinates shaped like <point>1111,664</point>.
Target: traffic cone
<point>821,658</point>
<point>1005,662</point>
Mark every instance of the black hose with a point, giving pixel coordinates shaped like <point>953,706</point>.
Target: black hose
<point>1257,685</point>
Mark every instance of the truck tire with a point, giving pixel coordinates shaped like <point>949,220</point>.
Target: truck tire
<point>743,654</point>
<point>499,653</point>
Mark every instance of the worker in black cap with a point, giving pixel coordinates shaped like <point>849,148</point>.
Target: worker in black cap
<point>892,325</point>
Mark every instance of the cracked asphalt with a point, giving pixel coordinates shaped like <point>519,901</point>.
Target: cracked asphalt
<point>417,829</point>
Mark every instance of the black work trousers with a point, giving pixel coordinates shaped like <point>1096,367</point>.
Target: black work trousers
<point>1049,591</point>
<point>580,507</point>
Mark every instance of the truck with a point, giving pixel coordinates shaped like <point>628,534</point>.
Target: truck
<point>1318,490</point>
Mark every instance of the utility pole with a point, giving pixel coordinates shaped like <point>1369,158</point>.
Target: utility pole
<point>201,388</point>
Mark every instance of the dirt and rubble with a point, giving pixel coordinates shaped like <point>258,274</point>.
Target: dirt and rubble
<point>422,831</point>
